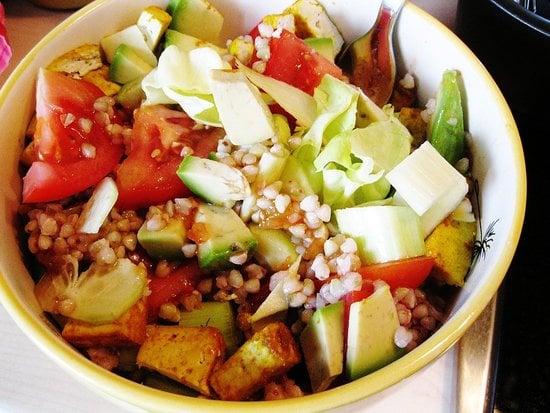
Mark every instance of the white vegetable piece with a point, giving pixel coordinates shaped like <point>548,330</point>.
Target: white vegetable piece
<point>245,116</point>
<point>98,207</point>
<point>429,184</point>
<point>132,36</point>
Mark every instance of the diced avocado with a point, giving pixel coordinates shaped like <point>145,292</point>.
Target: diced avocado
<point>322,342</point>
<point>213,181</point>
<point>197,18</point>
<point>312,20</point>
<point>371,329</point>
<point>185,42</point>
<point>277,300</point>
<point>132,36</point>
<point>300,179</point>
<point>275,249</point>
<point>245,116</point>
<point>451,244</point>
<point>223,236</point>
<point>153,22</point>
<point>127,65</point>
<point>131,94</point>
<point>382,232</point>
<point>218,314</point>
<point>446,129</point>
<point>271,167</point>
<point>322,45</point>
<point>164,243</point>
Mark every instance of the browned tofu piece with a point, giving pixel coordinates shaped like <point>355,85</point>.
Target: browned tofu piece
<point>78,61</point>
<point>451,244</point>
<point>100,78</point>
<point>269,353</point>
<point>128,330</point>
<point>186,354</point>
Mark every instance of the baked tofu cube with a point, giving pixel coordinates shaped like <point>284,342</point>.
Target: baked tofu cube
<point>78,61</point>
<point>269,353</point>
<point>186,354</point>
<point>128,330</point>
<point>100,78</point>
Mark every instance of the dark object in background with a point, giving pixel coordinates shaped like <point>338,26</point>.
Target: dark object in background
<point>514,45</point>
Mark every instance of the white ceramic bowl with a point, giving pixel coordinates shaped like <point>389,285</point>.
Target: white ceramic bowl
<point>424,47</point>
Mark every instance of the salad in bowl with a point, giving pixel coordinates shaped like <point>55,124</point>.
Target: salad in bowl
<point>225,214</point>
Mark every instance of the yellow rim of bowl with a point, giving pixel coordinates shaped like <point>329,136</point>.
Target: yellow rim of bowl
<point>155,400</point>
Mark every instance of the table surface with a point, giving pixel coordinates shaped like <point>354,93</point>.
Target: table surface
<point>30,381</point>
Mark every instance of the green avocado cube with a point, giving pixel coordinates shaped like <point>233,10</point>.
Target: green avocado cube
<point>371,329</point>
<point>225,238</point>
<point>322,342</point>
<point>164,243</point>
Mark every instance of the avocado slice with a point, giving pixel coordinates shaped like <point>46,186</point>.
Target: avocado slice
<point>165,243</point>
<point>197,18</point>
<point>371,329</point>
<point>223,235</point>
<point>322,342</point>
<point>275,249</point>
<point>127,65</point>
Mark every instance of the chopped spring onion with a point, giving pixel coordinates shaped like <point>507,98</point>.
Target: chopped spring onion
<point>98,207</point>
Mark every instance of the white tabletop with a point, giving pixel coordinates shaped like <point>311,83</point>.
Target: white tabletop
<point>31,382</point>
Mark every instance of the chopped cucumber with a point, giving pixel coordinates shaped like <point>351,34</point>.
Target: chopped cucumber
<point>100,295</point>
<point>127,65</point>
<point>223,237</point>
<point>213,181</point>
<point>220,315</point>
<point>197,18</point>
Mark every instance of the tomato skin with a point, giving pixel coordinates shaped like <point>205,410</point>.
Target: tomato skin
<point>183,280</point>
<point>294,62</point>
<point>410,272</point>
<point>144,180</point>
<point>61,169</point>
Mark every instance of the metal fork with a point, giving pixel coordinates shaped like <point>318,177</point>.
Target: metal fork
<point>530,5</point>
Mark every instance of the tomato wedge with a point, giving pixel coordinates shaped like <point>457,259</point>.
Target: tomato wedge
<point>182,280</point>
<point>148,175</point>
<point>294,62</point>
<point>410,272</point>
<point>65,125</point>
